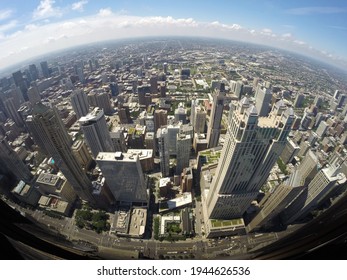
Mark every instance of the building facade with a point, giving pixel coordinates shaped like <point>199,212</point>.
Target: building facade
<point>251,148</point>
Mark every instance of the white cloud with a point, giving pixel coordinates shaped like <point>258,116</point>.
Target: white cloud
<point>5,14</point>
<point>266,30</point>
<point>31,27</point>
<point>287,35</point>
<point>46,9</point>
<point>44,38</point>
<point>301,43</point>
<point>79,6</point>
<point>105,12</point>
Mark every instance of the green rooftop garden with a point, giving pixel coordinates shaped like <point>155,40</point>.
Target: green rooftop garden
<point>211,156</point>
<point>226,223</point>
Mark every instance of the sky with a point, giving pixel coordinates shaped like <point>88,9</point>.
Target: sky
<point>314,28</point>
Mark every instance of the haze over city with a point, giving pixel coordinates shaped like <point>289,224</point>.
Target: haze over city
<point>33,28</point>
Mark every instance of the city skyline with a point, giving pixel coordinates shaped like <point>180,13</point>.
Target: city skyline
<point>40,27</point>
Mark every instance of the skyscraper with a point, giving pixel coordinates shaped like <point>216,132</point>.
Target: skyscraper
<point>101,99</point>
<point>21,83</point>
<point>199,119</point>
<point>12,112</point>
<point>96,132</point>
<point>118,140</point>
<point>34,94</point>
<point>160,119</point>
<point>34,73</point>
<point>263,97</point>
<point>214,126</point>
<point>251,148</point>
<point>79,102</point>
<point>322,185</point>
<point>45,69</point>
<point>273,204</point>
<point>48,126</point>
<point>173,130</point>
<point>124,176</point>
<point>184,144</point>
<point>162,135</point>
<point>10,161</point>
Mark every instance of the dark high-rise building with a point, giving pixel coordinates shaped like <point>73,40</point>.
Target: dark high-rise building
<point>48,126</point>
<point>45,69</point>
<point>34,73</point>
<point>214,126</point>
<point>21,83</point>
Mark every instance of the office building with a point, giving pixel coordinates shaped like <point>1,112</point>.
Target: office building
<point>272,206</point>
<point>299,100</point>
<point>80,151</point>
<point>160,119</point>
<point>79,102</point>
<point>34,94</point>
<point>96,132</point>
<point>48,126</point>
<point>263,97</point>
<point>184,144</point>
<point>11,163</point>
<point>118,140</point>
<point>199,119</point>
<point>252,146</point>
<point>52,185</point>
<point>12,111</point>
<point>45,69</point>
<point>100,98</point>
<point>324,183</point>
<point>21,83</point>
<point>124,115</point>
<point>322,129</point>
<point>187,180</point>
<point>124,177</point>
<point>173,130</point>
<point>214,125</point>
<point>162,136</point>
<point>290,150</point>
<point>150,142</point>
<point>181,114</point>
<point>34,73</point>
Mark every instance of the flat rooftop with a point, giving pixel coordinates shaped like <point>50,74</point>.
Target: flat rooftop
<point>48,179</point>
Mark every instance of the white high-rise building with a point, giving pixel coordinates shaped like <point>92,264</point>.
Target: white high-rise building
<point>79,102</point>
<point>322,129</point>
<point>252,146</point>
<point>263,98</point>
<point>124,176</point>
<point>184,145</point>
<point>96,132</point>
